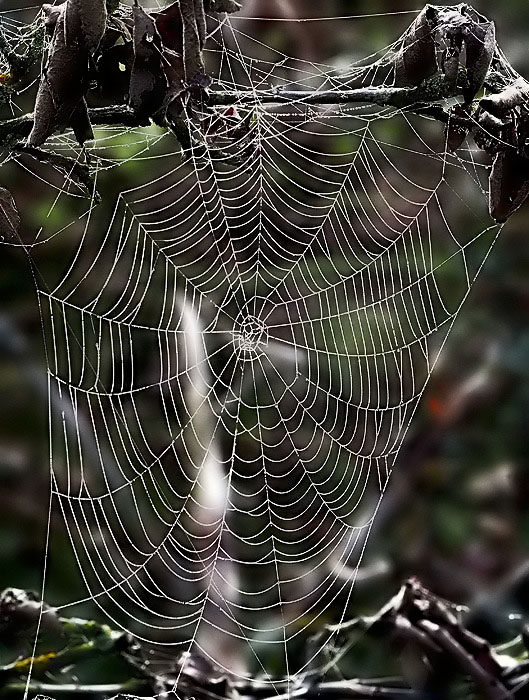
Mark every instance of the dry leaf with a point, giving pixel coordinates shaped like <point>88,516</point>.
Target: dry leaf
<point>200,15</point>
<point>63,85</point>
<point>80,122</point>
<point>194,37</point>
<point>170,26</point>
<point>9,216</point>
<point>480,42</point>
<point>86,22</point>
<point>490,136</point>
<point>222,6</point>
<point>114,68</point>
<point>513,96</point>
<point>457,127</point>
<point>51,15</point>
<point>78,27</point>
<point>508,184</point>
<point>148,83</point>
<point>174,71</point>
<point>416,59</point>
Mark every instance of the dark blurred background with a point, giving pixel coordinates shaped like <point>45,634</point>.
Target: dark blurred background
<point>456,514</point>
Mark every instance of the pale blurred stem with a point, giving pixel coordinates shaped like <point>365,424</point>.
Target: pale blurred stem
<point>325,691</point>
<point>55,690</point>
<point>342,690</point>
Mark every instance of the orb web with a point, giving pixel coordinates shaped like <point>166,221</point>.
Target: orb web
<point>235,354</point>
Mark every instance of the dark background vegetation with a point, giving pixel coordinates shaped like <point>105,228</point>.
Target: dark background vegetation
<point>457,512</point>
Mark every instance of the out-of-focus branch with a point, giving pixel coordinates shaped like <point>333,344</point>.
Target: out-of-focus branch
<point>491,686</point>
<point>429,627</point>
<point>417,617</point>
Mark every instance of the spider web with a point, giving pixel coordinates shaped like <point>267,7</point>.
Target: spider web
<point>235,356</point>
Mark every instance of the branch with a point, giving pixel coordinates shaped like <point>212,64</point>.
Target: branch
<point>382,96</point>
<point>12,131</point>
<point>106,643</point>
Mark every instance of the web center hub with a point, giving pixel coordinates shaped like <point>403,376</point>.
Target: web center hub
<point>250,335</point>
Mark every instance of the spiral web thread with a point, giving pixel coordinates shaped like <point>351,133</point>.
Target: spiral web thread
<point>234,357</point>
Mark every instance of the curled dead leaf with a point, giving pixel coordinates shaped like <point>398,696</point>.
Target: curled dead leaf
<point>114,67</point>
<point>480,43</point>
<point>51,15</point>
<point>9,216</point>
<point>80,122</point>
<point>170,26</point>
<point>85,23</point>
<point>514,95</point>
<point>416,59</point>
<point>194,26</point>
<point>490,136</point>
<point>200,15</point>
<point>435,41</point>
<point>148,83</point>
<point>62,87</point>
<point>174,72</point>
<point>508,184</point>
